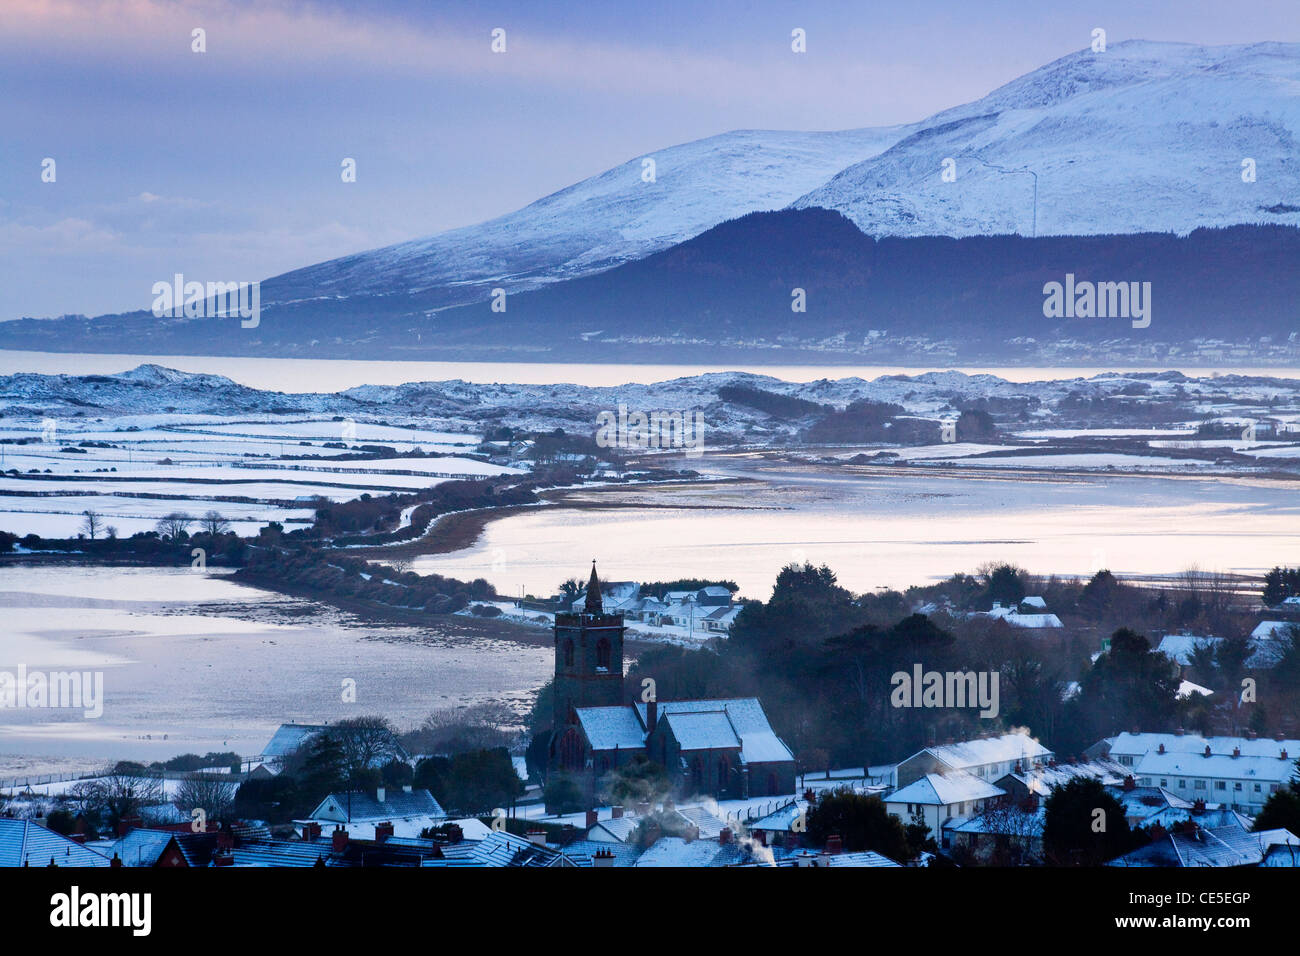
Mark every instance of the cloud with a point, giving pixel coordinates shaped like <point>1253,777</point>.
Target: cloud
<point>71,235</point>
<point>273,37</point>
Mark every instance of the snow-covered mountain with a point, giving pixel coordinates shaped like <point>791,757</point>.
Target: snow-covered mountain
<point>599,222</point>
<point>1144,137</point>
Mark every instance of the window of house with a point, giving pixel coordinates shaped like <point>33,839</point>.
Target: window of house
<point>1237,786</point>
<point>1220,785</point>
<point>1182,784</point>
<point>1258,788</point>
<point>1200,785</point>
<point>1164,782</point>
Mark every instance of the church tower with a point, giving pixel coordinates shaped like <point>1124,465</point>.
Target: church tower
<point>588,658</point>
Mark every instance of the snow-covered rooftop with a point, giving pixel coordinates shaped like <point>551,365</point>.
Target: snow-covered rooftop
<point>946,789</point>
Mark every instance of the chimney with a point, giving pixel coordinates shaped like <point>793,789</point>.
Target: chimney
<point>127,824</point>
<point>1251,735</point>
<point>339,840</point>
<point>724,836</point>
<point>223,859</point>
<point>537,837</point>
<point>1198,806</point>
<point>311,830</point>
<point>1129,783</point>
<point>616,812</point>
<point>1179,732</point>
<point>602,858</point>
<point>225,840</point>
<point>1236,751</point>
<point>805,859</point>
<point>379,794</point>
<point>651,715</point>
<point>1160,749</point>
<point>692,834</point>
<point>116,862</point>
<point>592,818</point>
<point>1282,756</point>
<point>406,788</point>
<point>834,845</point>
<point>78,838</point>
<point>1279,737</point>
<point>383,831</point>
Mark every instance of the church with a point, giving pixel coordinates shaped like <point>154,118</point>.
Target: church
<point>725,748</point>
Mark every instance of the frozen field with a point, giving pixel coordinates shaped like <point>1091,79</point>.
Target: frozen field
<point>135,469</point>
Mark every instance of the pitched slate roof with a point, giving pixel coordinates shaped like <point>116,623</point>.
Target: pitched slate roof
<point>366,807</point>
<point>746,714</point>
<point>935,789</point>
<point>22,841</point>
<point>620,828</point>
<point>704,730</point>
<point>580,852</point>
<point>987,750</point>
<point>609,728</point>
<point>676,852</point>
<point>1044,778</point>
<point>1230,845</point>
<point>141,847</point>
<point>1269,769</point>
<point>708,823</point>
<point>289,737</point>
<point>1138,744</point>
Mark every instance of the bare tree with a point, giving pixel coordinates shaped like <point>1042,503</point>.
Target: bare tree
<point>365,742</point>
<point>207,792</point>
<point>91,524</point>
<point>116,796</point>
<point>174,525</point>
<point>214,524</point>
<point>456,730</point>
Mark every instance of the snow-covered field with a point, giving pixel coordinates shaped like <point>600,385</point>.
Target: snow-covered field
<point>159,465</point>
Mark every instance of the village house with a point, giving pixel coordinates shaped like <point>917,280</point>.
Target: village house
<point>1238,772</point>
<point>987,758</point>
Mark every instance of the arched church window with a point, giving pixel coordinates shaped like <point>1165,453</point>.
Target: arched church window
<point>570,750</point>
<point>568,653</point>
<point>602,653</point>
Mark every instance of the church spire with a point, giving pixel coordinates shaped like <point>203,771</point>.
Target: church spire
<point>594,604</point>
